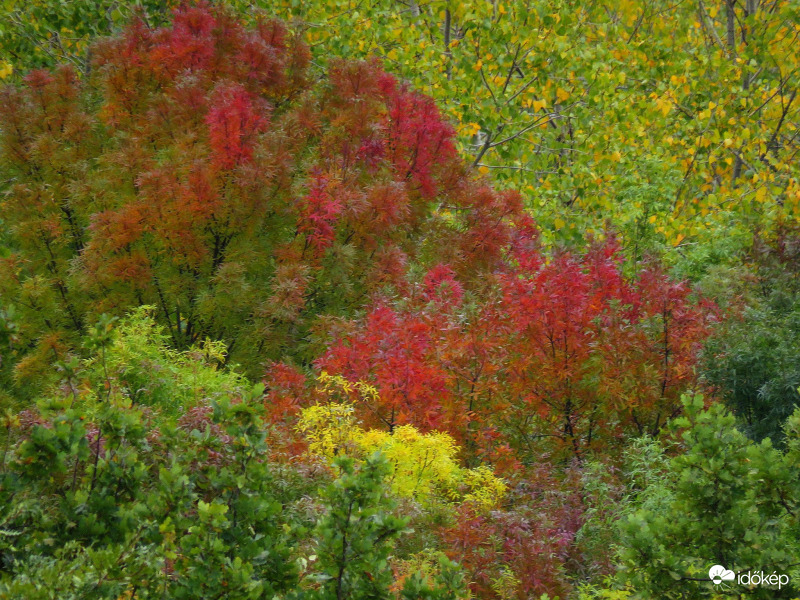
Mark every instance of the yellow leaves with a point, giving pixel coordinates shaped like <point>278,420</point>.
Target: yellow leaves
<point>559,223</point>
<point>424,465</point>
<point>712,12</point>
<point>483,170</point>
<point>620,54</point>
<point>6,69</point>
<point>486,490</point>
<point>478,65</point>
<point>652,219</point>
<point>616,156</point>
<point>562,95</point>
<point>539,105</point>
<point>330,428</point>
<point>332,383</point>
<point>728,142</point>
<point>664,105</point>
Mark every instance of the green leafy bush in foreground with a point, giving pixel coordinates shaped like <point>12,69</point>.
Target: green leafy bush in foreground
<point>723,499</point>
<point>106,493</point>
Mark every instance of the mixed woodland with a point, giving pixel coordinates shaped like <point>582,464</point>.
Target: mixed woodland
<point>399,299</point>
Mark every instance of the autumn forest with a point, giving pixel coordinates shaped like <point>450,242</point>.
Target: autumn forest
<point>399,299</point>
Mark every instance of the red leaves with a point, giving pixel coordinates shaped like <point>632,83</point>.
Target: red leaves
<point>441,286</point>
<point>189,43</point>
<point>319,211</point>
<point>419,140</point>
<point>233,122</point>
<point>286,390</point>
<point>392,353</point>
<point>532,539</point>
<point>572,352</point>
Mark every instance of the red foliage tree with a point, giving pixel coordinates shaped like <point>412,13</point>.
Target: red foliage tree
<point>200,170</point>
<point>564,353</point>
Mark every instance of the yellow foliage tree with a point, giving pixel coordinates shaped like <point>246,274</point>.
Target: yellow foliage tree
<point>424,465</point>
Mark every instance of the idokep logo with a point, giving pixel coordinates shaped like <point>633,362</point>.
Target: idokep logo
<point>717,574</point>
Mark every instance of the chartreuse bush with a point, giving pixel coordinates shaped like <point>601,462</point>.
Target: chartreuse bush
<point>423,465</point>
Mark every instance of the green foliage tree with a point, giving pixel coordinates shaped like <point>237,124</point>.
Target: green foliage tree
<point>753,360</point>
<point>104,494</point>
<point>723,500</point>
<point>676,124</point>
<point>356,534</point>
<point>43,33</point>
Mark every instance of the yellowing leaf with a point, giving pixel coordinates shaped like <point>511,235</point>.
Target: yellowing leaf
<point>539,105</point>
<point>562,94</point>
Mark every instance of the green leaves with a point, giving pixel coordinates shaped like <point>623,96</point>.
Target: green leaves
<point>355,537</point>
<point>724,500</point>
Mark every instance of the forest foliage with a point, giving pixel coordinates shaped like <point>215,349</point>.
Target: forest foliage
<point>675,123</point>
<point>343,300</point>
